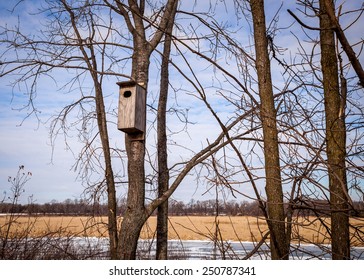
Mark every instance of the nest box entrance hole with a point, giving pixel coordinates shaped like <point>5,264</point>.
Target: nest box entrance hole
<point>127,93</point>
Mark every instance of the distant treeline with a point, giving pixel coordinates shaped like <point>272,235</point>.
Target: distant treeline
<point>176,208</point>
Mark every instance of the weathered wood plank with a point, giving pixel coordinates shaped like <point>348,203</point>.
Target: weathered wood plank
<point>132,108</point>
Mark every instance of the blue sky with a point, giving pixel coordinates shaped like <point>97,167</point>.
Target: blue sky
<point>26,141</point>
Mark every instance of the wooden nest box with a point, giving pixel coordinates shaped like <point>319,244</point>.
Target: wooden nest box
<point>132,108</point>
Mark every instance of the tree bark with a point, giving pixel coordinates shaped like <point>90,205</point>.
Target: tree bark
<point>163,171</point>
<point>135,216</point>
<point>276,216</point>
<point>335,138</point>
<point>136,213</point>
<point>109,176</point>
<point>330,12</point>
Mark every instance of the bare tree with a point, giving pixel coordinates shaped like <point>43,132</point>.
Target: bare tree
<point>335,136</point>
<point>283,122</point>
<point>341,113</point>
<point>135,216</point>
<point>163,170</point>
<point>77,40</point>
<point>90,59</point>
<point>337,107</point>
<point>276,215</point>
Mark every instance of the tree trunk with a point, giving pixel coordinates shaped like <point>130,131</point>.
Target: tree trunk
<point>135,216</point>
<point>330,11</point>
<point>276,216</point>
<point>109,176</point>
<point>163,172</point>
<point>136,213</point>
<point>335,139</point>
<point>102,127</point>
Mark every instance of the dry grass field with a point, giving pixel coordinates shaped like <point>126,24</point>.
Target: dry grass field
<point>180,227</point>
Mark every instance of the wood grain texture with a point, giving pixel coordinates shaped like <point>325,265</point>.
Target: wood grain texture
<point>132,108</point>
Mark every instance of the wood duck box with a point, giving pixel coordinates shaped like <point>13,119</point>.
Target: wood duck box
<point>132,108</point>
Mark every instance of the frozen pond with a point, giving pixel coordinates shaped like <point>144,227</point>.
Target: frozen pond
<point>229,250</point>
<point>97,248</point>
<point>241,250</point>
